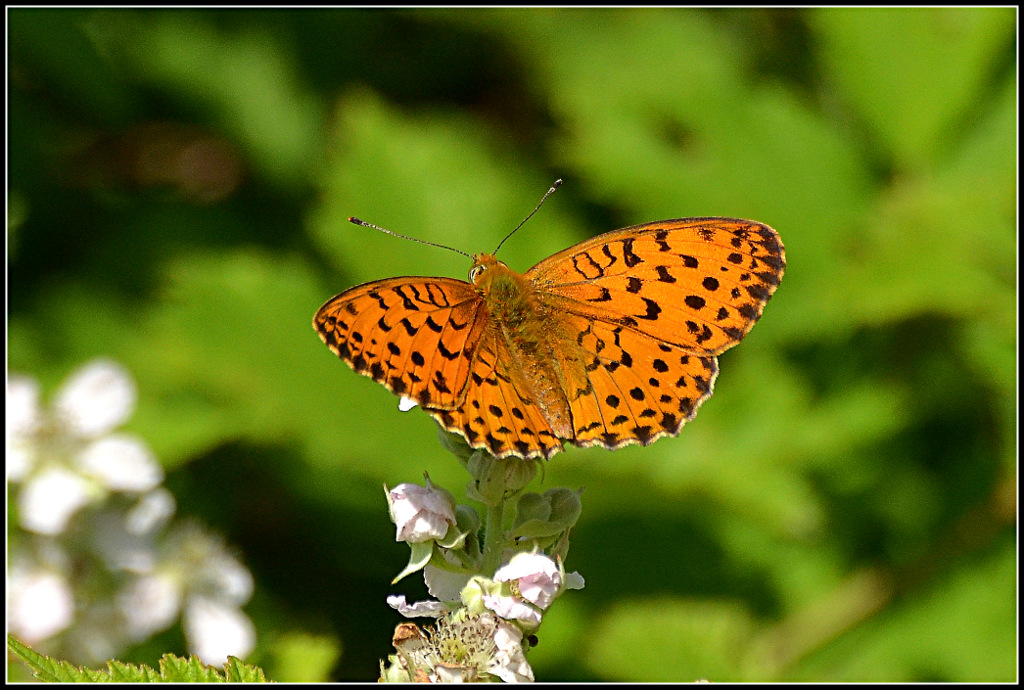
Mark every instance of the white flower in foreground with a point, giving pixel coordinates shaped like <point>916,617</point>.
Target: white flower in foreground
<point>534,580</point>
<point>460,648</point>
<point>538,578</point>
<point>420,513</point>
<point>66,456</point>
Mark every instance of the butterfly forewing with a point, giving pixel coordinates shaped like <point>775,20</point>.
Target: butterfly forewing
<point>417,336</point>
<point>699,283</point>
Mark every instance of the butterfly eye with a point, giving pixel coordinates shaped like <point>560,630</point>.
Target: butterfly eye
<point>474,273</point>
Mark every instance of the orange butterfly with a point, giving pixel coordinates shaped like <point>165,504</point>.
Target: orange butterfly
<point>607,343</point>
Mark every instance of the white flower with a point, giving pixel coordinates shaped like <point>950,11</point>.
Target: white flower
<point>420,513</point>
<point>406,404</point>
<point>66,456</point>
<point>460,648</point>
<point>39,603</point>
<point>538,578</point>
<point>196,577</point>
<point>534,580</point>
<point>215,631</point>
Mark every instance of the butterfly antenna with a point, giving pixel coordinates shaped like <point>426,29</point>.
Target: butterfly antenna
<point>404,237</point>
<point>556,185</point>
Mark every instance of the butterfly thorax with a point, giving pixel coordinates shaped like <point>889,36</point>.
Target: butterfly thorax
<point>519,319</point>
<point>510,298</point>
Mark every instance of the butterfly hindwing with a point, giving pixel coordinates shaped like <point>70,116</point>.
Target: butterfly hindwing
<point>626,387</point>
<point>496,414</point>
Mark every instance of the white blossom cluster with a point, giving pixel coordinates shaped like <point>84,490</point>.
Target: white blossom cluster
<point>481,621</point>
<point>95,564</point>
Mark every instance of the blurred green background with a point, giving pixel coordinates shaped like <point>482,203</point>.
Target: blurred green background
<point>843,508</point>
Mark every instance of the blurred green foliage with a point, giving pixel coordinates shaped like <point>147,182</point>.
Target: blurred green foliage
<point>843,509</point>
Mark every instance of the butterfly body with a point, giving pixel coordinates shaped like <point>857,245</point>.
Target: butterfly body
<point>517,319</point>
<point>609,342</point>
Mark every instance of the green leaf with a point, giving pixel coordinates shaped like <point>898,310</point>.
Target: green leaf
<point>173,669</point>
<point>911,73</point>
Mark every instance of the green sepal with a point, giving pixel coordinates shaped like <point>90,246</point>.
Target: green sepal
<point>454,538</point>
<point>418,559</point>
<point>468,520</point>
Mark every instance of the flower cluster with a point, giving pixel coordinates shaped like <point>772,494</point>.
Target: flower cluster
<point>488,595</point>
<point>461,648</point>
<point>97,565</point>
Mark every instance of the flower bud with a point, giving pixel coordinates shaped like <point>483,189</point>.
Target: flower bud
<point>495,478</point>
<point>547,514</point>
<point>420,513</point>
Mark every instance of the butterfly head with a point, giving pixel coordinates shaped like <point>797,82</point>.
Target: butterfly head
<point>485,268</point>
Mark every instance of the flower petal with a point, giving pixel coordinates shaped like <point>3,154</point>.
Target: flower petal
<point>512,608</point>
<point>228,579</point>
<point>509,661</point>
<point>444,584</point>
<point>40,605</point>
<point>23,419</point>
<point>97,398</point>
<point>421,609</point>
<point>121,463</point>
<point>215,631</point>
<point>150,604</point>
<point>151,512</point>
<point>50,498</point>
<point>23,413</point>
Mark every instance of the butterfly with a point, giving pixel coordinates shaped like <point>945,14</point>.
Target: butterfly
<point>610,342</point>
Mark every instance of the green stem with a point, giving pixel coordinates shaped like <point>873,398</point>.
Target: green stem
<point>494,537</point>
